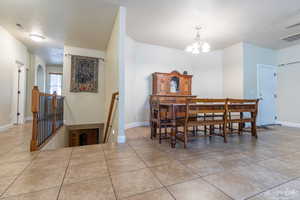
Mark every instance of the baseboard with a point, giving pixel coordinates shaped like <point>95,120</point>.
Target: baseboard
<point>289,124</point>
<point>28,119</point>
<point>121,139</point>
<point>6,127</point>
<point>136,124</point>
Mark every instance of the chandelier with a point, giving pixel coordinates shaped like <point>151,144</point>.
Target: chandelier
<point>198,45</point>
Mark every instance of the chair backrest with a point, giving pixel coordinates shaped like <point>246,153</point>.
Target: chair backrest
<point>154,107</point>
<point>157,111</point>
<point>242,105</point>
<point>198,106</point>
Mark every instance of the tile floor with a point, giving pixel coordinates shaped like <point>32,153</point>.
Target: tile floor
<point>142,169</point>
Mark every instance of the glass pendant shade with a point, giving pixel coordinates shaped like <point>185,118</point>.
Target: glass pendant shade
<point>205,47</point>
<point>198,46</point>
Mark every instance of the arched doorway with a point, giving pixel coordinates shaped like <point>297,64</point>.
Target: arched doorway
<point>41,78</point>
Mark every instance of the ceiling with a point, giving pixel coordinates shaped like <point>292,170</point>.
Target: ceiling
<point>79,23</point>
<point>170,23</point>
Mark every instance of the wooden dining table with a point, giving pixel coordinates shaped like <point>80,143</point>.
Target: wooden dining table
<point>174,108</point>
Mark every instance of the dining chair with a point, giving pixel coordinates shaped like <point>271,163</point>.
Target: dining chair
<point>240,112</point>
<point>159,119</point>
<point>209,112</point>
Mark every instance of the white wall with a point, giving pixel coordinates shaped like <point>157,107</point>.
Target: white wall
<point>240,69</point>
<point>12,51</point>
<point>40,79</point>
<point>32,80</point>
<point>288,85</point>
<point>130,80</point>
<point>254,55</point>
<point>114,75</point>
<point>83,108</point>
<point>144,59</point>
<point>52,69</point>
<point>233,71</point>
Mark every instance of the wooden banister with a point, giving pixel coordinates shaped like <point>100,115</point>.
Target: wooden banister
<point>47,111</point>
<point>35,96</point>
<point>111,108</point>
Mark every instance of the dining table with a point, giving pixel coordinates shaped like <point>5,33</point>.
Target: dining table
<point>175,107</point>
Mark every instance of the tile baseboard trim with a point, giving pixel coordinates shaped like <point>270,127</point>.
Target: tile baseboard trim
<point>136,124</point>
<point>289,124</point>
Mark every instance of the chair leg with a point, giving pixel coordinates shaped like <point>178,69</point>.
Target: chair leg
<point>185,137</point>
<point>240,128</point>
<point>159,134</point>
<point>194,131</point>
<point>225,133</point>
<point>211,130</point>
<point>166,131</point>
<point>152,130</point>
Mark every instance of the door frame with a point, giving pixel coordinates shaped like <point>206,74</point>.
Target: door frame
<point>19,100</point>
<point>258,68</point>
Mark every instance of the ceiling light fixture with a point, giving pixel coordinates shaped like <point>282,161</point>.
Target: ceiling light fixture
<point>198,44</point>
<point>36,37</point>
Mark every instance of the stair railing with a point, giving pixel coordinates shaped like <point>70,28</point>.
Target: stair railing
<point>48,117</point>
<point>108,124</point>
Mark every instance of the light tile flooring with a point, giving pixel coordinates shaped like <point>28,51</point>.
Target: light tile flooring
<point>142,169</point>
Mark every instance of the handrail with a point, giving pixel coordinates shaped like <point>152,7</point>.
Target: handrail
<point>111,108</point>
<point>47,111</point>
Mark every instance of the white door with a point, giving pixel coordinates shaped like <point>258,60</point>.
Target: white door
<point>267,88</point>
<point>19,94</point>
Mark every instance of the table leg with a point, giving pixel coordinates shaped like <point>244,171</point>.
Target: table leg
<point>173,131</point>
<point>253,125</point>
<point>241,124</point>
<point>211,129</point>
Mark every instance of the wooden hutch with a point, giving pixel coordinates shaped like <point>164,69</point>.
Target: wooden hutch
<point>172,86</point>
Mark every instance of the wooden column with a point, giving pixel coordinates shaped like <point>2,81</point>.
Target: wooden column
<point>35,109</point>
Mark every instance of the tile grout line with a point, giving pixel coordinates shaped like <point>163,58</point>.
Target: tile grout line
<point>1,195</point>
<point>256,163</point>
<point>21,194</point>
<point>109,174</point>
<point>163,186</point>
<point>272,187</point>
<point>170,193</point>
<point>219,189</point>
<point>62,182</point>
<point>166,187</point>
